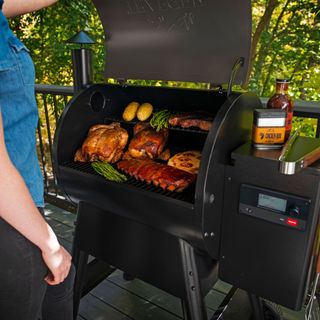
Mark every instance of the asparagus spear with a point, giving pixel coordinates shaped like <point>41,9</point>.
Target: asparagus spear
<point>108,171</point>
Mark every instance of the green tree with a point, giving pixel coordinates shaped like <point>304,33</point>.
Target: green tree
<point>285,43</point>
<point>45,33</point>
<point>289,47</point>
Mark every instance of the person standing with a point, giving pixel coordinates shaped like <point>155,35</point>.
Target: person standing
<point>35,278</point>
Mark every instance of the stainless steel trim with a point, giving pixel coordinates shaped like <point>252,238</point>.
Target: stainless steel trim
<point>288,168</point>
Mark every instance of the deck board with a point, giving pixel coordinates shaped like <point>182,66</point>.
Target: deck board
<point>129,303</point>
<point>92,308</point>
<point>159,297</point>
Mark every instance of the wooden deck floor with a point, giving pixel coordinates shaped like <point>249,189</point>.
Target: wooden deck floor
<point>118,299</point>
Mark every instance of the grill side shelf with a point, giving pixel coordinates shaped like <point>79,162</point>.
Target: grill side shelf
<point>186,196</point>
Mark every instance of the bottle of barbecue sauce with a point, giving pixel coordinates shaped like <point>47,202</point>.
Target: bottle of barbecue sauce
<point>281,100</point>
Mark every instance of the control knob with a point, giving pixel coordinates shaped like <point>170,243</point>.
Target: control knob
<point>294,211</point>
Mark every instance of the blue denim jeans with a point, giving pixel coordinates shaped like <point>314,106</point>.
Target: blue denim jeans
<point>24,295</point>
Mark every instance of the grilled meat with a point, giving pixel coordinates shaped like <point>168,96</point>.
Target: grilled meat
<point>148,143</point>
<point>103,143</point>
<point>199,119</point>
<point>162,175</point>
<point>78,157</point>
<point>199,123</point>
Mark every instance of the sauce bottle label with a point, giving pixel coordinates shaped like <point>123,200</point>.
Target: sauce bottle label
<point>268,135</point>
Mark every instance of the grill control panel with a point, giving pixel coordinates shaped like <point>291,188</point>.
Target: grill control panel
<point>273,206</point>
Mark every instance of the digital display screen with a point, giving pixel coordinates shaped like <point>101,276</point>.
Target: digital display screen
<point>272,202</point>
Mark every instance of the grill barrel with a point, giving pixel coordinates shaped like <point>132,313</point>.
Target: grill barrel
<point>190,215</point>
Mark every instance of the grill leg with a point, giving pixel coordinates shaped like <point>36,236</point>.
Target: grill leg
<point>80,260</point>
<point>193,306</point>
<point>257,309</point>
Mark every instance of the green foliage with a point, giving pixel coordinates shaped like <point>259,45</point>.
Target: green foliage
<point>308,126</point>
<point>45,33</point>
<point>289,48</point>
<point>289,45</point>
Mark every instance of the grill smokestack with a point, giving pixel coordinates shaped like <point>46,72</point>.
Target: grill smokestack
<point>81,61</point>
<point>82,68</point>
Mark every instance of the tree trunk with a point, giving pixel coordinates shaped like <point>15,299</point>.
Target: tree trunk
<point>264,21</point>
<point>263,92</point>
<point>264,50</point>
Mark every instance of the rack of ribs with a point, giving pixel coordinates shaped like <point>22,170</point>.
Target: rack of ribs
<point>161,175</point>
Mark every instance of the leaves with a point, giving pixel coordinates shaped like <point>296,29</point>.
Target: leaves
<point>45,33</point>
<point>287,44</point>
<point>289,48</point>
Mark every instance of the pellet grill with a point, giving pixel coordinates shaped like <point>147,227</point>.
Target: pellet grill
<point>175,240</point>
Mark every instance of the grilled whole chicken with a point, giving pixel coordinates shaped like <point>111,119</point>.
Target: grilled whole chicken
<point>162,175</point>
<point>148,143</point>
<point>103,143</point>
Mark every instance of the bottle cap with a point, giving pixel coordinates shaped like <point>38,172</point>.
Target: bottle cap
<point>282,80</point>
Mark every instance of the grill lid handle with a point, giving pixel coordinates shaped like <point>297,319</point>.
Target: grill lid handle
<point>236,67</point>
<point>298,153</point>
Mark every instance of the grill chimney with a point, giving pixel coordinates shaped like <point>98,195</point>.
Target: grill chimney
<point>81,61</point>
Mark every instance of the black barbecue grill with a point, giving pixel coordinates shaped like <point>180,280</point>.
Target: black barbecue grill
<point>171,240</point>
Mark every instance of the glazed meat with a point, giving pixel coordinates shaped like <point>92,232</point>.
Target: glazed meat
<point>147,143</point>
<point>198,119</point>
<point>103,143</point>
<point>162,175</point>
<point>198,123</point>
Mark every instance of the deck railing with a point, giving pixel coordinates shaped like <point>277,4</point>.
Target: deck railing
<point>52,100</point>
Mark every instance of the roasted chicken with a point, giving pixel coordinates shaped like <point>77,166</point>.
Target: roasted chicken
<point>103,143</point>
<point>147,143</point>
<point>162,175</point>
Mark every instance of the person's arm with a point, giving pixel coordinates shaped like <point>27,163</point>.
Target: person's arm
<point>19,210</point>
<point>12,8</point>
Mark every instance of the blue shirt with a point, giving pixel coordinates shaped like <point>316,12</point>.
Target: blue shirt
<point>5,35</point>
<point>19,109</point>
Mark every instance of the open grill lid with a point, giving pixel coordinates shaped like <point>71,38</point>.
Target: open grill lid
<point>178,40</point>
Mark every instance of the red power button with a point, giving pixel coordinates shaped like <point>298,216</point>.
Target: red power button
<point>292,222</point>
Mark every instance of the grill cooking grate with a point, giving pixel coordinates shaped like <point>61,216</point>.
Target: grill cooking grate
<point>108,120</point>
<point>187,195</point>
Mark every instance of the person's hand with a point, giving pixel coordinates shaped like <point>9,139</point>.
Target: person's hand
<point>58,262</point>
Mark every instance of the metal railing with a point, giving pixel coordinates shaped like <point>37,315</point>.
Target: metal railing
<point>305,109</point>
<point>52,100</point>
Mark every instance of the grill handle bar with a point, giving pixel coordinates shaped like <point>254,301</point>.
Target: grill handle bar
<point>305,152</point>
<point>238,64</point>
